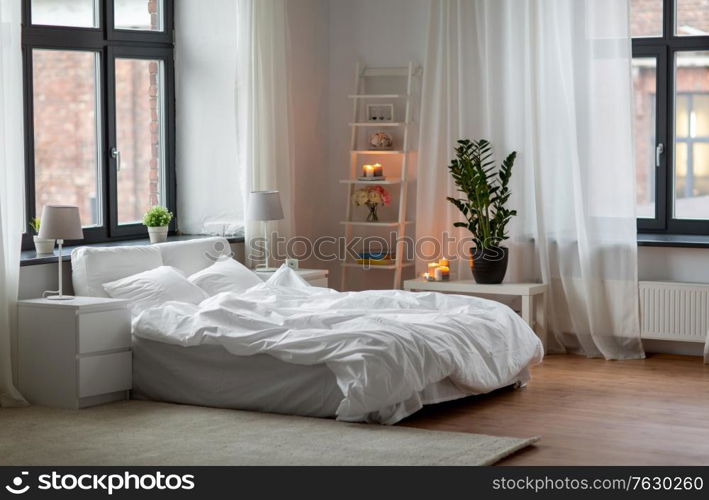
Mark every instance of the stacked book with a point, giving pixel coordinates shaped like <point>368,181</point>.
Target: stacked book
<point>375,258</point>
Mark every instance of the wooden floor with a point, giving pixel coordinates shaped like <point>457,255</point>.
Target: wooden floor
<point>594,412</point>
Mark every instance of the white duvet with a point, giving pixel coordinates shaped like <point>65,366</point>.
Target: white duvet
<point>384,347</point>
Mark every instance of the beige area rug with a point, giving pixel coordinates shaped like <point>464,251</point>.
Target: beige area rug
<point>148,433</point>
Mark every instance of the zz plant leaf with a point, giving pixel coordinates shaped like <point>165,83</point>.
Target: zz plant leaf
<point>485,191</point>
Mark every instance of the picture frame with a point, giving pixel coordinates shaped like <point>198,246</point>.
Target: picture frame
<point>380,112</point>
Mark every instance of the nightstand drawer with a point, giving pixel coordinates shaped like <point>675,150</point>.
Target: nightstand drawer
<point>103,331</point>
<point>105,373</point>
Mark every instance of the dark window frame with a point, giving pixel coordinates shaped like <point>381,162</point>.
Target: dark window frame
<point>109,43</point>
<point>664,48</point>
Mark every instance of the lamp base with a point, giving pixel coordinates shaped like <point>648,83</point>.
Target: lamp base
<point>60,297</point>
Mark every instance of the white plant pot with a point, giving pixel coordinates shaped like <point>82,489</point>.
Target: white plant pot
<point>43,246</point>
<point>157,234</point>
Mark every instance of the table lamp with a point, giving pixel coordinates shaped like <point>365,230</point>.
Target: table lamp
<point>265,206</point>
<point>60,222</point>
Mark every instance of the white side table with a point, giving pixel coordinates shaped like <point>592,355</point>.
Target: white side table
<point>74,353</point>
<point>316,277</point>
<point>533,296</point>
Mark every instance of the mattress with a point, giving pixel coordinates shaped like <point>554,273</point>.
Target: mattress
<point>208,375</point>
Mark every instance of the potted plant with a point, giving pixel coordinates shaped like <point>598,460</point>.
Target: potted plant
<point>41,245</point>
<point>156,220</point>
<point>486,190</point>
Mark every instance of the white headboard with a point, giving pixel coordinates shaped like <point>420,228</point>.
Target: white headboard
<point>94,266</point>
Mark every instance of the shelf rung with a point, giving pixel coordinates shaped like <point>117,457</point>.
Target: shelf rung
<point>386,71</point>
<point>378,96</point>
<point>373,224</point>
<point>377,152</point>
<point>392,180</point>
<point>374,266</point>
<point>377,124</point>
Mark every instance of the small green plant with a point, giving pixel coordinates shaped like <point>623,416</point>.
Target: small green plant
<point>34,225</point>
<point>486,191</point>
<point>157,217</point>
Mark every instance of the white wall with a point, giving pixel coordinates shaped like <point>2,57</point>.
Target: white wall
<point>308,59</point>
<point>673,264</point>
<point>690,265</point>
<point>206,128</point>
<point>376,33</point>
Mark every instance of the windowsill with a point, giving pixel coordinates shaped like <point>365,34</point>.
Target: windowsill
<point>30,257</point>
<point>673,240</point>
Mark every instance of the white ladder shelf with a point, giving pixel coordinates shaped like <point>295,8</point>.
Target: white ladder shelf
<point>400,225</point>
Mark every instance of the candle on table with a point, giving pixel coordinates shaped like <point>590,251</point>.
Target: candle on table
<point>438,274</point>
<point>378,170</point>
<point>368,170</point>
<point>432,268</point>
<point>445,272</point>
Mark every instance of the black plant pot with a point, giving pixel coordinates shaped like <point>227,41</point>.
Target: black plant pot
<point>489,265</point>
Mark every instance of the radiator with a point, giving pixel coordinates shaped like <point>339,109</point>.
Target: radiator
<point>674,311</point>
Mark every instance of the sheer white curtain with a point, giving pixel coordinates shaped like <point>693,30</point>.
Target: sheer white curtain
<point>265,147</point>
<point>11,189</point>
<point>551,80</point>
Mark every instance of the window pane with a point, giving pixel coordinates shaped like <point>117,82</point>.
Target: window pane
<point>700,119</point>
<point>139,126</point>
<point>66,131</point>
<point>77,13</point>
<point>645,18</point>
<point>144,15</point>
<point>682,115</point>
<point>645,92</point>
<point>691,135</point>
<point>692,17</point>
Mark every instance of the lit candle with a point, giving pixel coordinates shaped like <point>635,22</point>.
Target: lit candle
<point>378,170</point>
<point>368,171</point>
<point>445,273</point>
<point>426,276</point>
<point>432,268</point>
<point>439,274</point>
<point>443,262</point>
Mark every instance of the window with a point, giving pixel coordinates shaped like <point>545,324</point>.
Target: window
<point>99,108</point>
<point>671,83</point>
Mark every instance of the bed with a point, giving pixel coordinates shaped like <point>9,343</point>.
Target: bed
<point>282,346</point>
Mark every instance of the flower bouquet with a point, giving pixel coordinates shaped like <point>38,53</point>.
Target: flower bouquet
<point>372,197</point>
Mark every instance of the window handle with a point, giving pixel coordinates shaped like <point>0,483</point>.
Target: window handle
<point>117,155</point>
<point>659,151</point>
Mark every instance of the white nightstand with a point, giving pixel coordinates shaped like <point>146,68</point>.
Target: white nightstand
<point>316,277</point>
<point>532,294</point>
<point>74,353</point>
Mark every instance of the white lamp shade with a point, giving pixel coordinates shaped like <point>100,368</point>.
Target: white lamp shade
<point>264,206</point>
<point>60,222</point>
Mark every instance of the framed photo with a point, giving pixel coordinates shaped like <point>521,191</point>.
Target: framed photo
<point>380,112</point>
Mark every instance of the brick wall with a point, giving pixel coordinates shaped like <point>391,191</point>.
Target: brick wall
<point>646,16</point>
<point>65,133</point>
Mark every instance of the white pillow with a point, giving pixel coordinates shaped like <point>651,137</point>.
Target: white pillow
<point>92,266</point>
<point>225,275</point>
<point>154,288</point>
